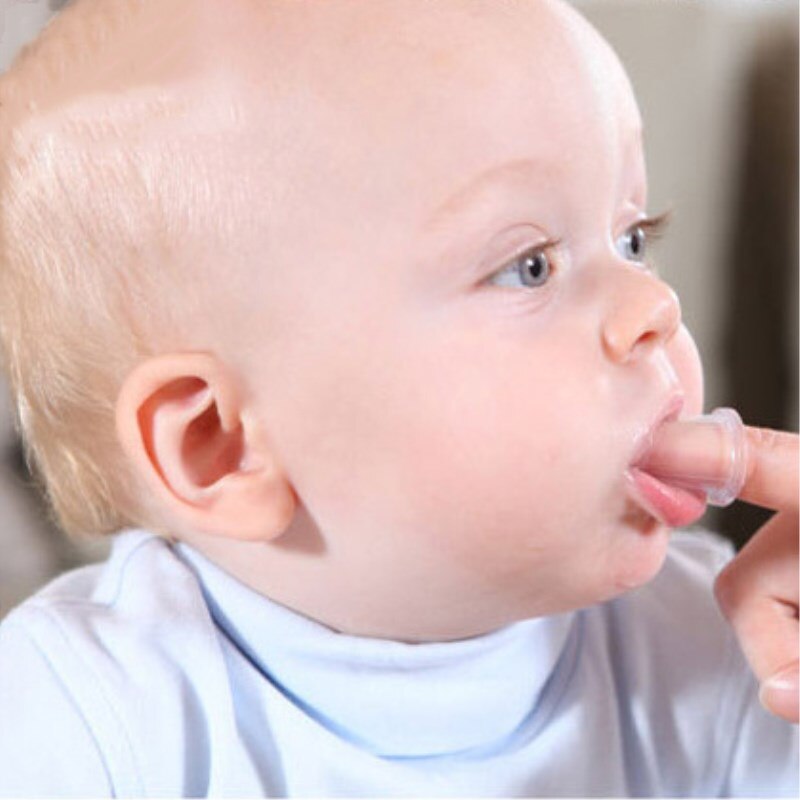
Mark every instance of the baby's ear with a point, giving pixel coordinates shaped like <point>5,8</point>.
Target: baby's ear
<point>180,422</point>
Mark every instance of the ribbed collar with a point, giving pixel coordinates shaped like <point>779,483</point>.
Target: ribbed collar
<point>391,698</point>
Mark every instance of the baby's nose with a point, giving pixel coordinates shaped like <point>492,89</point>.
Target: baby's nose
<point>643,313</point>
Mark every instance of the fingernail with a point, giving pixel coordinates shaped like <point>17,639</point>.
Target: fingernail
<point>781,690</point>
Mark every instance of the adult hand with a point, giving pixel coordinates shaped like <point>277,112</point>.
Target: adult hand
<point>758,590</point>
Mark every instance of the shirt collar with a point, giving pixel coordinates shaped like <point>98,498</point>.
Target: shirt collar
<point>394,699</point>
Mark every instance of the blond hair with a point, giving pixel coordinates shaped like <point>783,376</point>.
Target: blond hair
<point>101,194</point>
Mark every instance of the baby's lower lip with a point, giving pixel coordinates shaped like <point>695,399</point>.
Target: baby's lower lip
<point>672,505</point>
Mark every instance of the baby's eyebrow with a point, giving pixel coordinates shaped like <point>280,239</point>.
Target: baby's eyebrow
<point>458,203</point>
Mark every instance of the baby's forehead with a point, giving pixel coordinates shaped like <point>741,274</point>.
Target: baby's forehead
<point>321,89</point>
<point>387,68</point>
<point>255,44</point>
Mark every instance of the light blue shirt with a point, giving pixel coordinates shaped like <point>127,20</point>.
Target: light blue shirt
<point>157,674</point>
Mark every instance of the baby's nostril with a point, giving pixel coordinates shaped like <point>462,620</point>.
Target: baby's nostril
<point>648,337</point>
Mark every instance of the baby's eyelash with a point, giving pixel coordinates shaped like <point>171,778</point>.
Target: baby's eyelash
<point>655,228</point>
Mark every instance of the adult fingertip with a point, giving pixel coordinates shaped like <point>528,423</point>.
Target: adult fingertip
<point>779,694</point>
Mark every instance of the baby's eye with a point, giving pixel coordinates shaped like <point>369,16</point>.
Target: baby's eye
<point>633,243</point>
<point>531,267</point>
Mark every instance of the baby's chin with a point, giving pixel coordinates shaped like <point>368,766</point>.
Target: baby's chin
<point>640,558</point>
<point>627,560</point>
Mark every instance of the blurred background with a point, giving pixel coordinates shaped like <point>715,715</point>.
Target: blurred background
<point>717,84</point>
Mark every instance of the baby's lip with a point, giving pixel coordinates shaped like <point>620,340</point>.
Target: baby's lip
<point>670,411</point>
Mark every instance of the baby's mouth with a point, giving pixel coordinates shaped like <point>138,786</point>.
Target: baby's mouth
<point>672,505</point>
<point>683,464</point>
<point>658,499</point>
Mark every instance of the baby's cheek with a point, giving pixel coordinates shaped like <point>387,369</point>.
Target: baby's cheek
<point>480,479</point>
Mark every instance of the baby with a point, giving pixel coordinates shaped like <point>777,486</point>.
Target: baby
<point>339,315</point>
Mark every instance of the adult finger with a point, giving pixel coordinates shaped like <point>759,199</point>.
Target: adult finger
<point>758,593</point>
<point>773,473</point>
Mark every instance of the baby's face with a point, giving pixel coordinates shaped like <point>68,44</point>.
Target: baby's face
<point>454,406</point>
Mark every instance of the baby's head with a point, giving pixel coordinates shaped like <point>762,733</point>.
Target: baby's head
<point>352,296</point>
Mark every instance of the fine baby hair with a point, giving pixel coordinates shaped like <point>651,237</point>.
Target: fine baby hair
<point>100,213</point>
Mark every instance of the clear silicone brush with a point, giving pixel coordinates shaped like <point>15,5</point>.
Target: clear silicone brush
<point>708,452</point>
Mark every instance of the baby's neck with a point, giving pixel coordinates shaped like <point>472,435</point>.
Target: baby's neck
<point>301,571</point>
